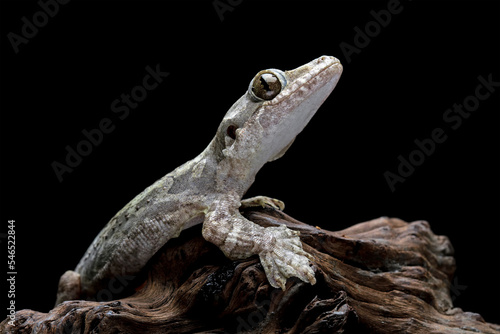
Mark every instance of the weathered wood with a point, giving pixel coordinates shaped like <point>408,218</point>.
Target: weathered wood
<point>381,276</point>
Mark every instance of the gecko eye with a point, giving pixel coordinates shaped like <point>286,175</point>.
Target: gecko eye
<point>266,85</point>
<point>231,131</point>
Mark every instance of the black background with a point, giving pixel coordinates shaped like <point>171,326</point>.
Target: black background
<point>394,90</point>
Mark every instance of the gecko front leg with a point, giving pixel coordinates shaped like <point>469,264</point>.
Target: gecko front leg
<point>279,248</point>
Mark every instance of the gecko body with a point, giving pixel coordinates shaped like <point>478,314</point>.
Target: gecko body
<point>208,190</point>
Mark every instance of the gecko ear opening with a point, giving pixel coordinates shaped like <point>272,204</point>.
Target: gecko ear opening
<point>231,131</point>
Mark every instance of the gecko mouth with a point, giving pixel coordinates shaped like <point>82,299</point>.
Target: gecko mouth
<point>307,79</point>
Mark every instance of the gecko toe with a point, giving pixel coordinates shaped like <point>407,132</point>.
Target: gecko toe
<point>286,258</point>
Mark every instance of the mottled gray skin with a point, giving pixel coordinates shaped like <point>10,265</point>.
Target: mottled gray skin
<point>209,188</point>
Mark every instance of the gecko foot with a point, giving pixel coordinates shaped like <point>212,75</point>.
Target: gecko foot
<point>262,201</point>
<point>282,256</point>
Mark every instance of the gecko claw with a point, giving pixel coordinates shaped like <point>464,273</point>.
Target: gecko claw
<point>283,257</point>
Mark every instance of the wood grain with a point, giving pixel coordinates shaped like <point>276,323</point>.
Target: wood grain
<point>380,276</point>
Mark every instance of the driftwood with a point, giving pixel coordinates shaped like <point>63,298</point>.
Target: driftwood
<point>381,276</point>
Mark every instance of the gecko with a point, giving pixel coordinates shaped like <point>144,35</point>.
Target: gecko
<point>259,127</point>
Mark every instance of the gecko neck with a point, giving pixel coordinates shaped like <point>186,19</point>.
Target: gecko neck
<point>231,175</point>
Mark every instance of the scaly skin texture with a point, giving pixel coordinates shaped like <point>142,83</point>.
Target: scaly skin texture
<point>209,188</point>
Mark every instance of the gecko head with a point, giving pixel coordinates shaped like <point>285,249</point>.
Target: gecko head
<point>277,106</point>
